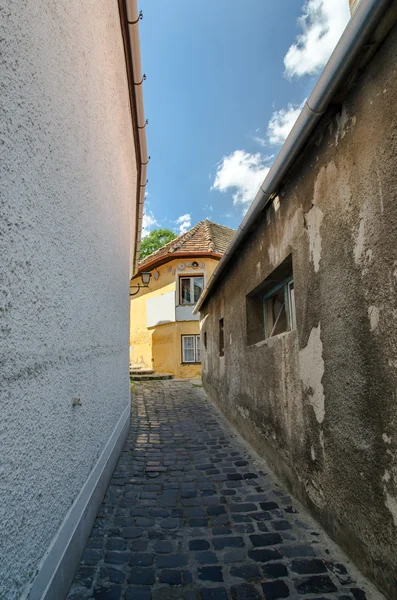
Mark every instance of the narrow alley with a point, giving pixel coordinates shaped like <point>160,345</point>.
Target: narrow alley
<point>190,513</point>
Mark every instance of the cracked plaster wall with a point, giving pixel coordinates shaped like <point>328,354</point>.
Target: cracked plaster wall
<point>67,173</point>
<point>321,402</point>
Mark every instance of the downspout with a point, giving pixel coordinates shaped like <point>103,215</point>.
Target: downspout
<point>130,22</point>
<point>365,19</point>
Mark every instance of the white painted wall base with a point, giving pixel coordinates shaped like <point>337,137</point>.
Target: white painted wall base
<point>59,564</point>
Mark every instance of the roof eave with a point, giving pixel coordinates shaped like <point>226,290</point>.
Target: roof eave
<point>351,47</point>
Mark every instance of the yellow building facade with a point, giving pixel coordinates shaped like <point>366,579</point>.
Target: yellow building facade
<point>164,333</point>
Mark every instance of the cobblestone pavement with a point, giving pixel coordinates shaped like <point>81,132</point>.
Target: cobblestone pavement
<point>190,513</point>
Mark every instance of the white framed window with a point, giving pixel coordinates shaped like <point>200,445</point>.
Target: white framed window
<point>279,308</point>
<point>190,289</point>
<point>191,350</point>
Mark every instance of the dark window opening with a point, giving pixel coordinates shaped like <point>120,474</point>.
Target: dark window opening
<point>205,340</point>
<point>271,306</point>
<point>221,338</point>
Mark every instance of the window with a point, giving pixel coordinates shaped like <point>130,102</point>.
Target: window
<point>191,349</point>
<point>205,340</point>
<point>271,306</point>
<point>279,309</point>
<point>190,289</point>
<point>221,338</point>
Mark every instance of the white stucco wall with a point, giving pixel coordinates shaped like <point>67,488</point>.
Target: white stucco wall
<point>160,309</point>
<point>67,194</point>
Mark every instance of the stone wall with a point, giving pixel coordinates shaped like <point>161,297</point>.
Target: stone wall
<point>68,189</point>
<point>320,402</point>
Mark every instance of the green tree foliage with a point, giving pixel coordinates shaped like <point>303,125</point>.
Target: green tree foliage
<point>155,240</point>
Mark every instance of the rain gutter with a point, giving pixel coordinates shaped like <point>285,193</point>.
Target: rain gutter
<point>130,28</point>
<point>352,43</point>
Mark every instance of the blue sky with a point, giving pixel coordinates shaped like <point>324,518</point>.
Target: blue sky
<point>225,79</point>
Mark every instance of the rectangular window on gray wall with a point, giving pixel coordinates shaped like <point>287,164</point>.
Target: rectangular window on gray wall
<point>191,349</point>
<point>271,306</point>
<point>221,338</point>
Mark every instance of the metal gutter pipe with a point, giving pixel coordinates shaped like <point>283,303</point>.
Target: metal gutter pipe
<point>133,19</point>
<point>351,43</point>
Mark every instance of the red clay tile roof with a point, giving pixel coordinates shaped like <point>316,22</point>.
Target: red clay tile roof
<point>205,237</point>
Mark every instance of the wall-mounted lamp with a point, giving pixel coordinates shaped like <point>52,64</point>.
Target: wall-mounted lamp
<point>145,276</point>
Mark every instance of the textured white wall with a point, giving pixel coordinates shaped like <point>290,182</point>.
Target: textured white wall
<point>67,178</point>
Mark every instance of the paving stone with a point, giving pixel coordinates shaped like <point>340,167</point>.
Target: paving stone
<point>166,593</point>
<point>141,559</point>
<point>249,572</point>
<point>245,592</point>
<point>214,594</point>
<point>281,525</point>
<point>247,507</point>
<point>215,510</point>
<point>85,575</point>
<point>261,516</point>
<point>315,584</point>
<point>91,557</point>
<point>116,544</point>
<point>296,551</point>
<point>142,576</point>
<point>169,523</point>
<point>308,566</point>
<point>228,542</point>
<point>198,522</point>
<point>244,528</point>
<point>221,530</point>
<point>108,593</point>
<point>199,545</point>
<point>206,558</point>
<point>234,556</point>
<point>144,522</point>
<point>264,555</point>
<point>265,539</point>
<point>163,547</point>
<point>131,532</point>
<point>213,573</point>
<point>274,570</point>
<point>268,505</point>
<point>112,574</point>
<point>172,560</point>
<point>275,589</point>
<point>189,515</point>
<point>171,577</point>
<point>117,558</point>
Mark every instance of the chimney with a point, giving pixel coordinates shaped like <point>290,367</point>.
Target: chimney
<point>353,5</point>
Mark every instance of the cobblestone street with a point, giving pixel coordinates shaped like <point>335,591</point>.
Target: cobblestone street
<point>191,514</point>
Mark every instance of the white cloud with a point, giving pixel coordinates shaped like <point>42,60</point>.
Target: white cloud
<point>281,123</point>
<point>183,222</point>
<point>322,23</point>
<point>261,141</point>
<point>243,173</point>
<point>148,223</point>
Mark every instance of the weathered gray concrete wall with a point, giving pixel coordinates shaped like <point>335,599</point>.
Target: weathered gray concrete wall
<point>67,176</point>
<point>321,402</point>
